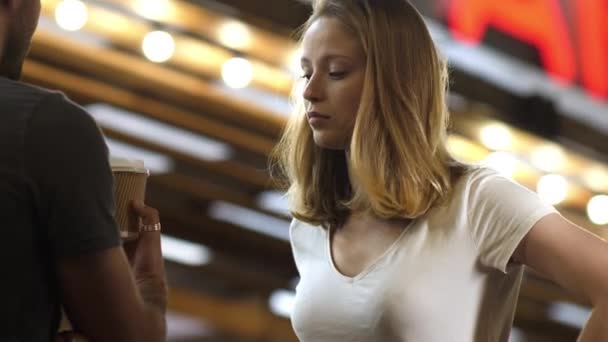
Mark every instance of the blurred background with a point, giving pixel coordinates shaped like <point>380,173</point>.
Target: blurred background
<point>199,90</point>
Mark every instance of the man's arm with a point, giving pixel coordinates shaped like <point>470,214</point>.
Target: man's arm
<point>66,157</point>
<point>106,303</point>
<point>3,24</point>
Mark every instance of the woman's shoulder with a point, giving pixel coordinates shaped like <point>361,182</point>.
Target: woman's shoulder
<point>484,187</point>
<point>307,240</point>
<point>300,230</point>
<point>479,176</point>
<point>478,182</point>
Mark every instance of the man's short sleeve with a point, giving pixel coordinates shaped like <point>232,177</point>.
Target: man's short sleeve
<point>67,158</point>
<point>501,212</point>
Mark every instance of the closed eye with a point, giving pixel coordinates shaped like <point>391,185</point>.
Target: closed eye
<point>337,75</point>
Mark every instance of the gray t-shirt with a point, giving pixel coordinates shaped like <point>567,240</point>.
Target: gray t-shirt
<point>446,278</point>
<point>56,201</point>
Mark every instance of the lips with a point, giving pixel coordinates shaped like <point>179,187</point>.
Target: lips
<point>316,115</point>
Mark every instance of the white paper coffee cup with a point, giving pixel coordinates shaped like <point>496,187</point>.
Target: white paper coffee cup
<point>130,178</point>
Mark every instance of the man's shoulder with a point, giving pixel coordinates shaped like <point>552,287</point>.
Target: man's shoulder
<point>46,107</point>
<point>10,88</point>
<point>47,114</point>
<point>25,101</point>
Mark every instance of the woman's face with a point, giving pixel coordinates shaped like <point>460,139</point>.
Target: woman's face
<point>333,64</point>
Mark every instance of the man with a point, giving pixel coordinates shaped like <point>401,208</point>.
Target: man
<point>3,19</point>
<point>60,245</point>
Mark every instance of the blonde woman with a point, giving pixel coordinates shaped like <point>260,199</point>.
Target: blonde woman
<point>393,239</point>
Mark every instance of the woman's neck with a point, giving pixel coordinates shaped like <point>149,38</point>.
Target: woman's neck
<point>349,170</point>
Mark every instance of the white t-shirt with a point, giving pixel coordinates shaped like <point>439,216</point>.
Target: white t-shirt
<point>447,278</point>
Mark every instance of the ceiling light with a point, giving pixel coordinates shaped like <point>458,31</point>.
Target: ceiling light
<point>278,104</point>
<point>184,327</point>
<point>597,209</point>
<point>517,335</point>
<point>156,162</point>
<point>549,158</point>
<point>159,133</point>
<point>250,219</point>
<point>281,302</point>
<point>294,62</point>
<point>569,314</point>
<point>466,150</point>
<point>153,9</point>
<point>234,35</point>
<point>185,252</point>
<point>596,178</point>
<point>237,72</point>
<point>71,15</point>
<point>497,137</point>
<point>552,189</point>
<point>158,46</point>
<point>502,162</point>
<point>274,201</point>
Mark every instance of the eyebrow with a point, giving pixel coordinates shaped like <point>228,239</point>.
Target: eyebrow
<point>328,57</point>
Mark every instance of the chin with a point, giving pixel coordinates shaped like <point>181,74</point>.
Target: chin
<point>329,143</point>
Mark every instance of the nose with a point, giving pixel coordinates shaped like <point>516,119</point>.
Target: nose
<point>313,90</point>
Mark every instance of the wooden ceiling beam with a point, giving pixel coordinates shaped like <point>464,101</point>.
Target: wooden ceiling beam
<point>546,291</point>
<point>227,276</point>
<point>155,81</point>
<point>207,191</point>
<point>191,55</point>
<point>95,91</point>
<point>531,317</point>
<point>247,318</point>
<point>238,171</point>
<point>265,45</point>
<point>231,240</point>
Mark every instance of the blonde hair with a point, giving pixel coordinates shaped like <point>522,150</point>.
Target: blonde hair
<point>398,157</point>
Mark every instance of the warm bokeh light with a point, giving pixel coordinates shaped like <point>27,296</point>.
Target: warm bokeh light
<point>158,46</point>
<point>552,189</point>
<point>497,137</point>
<point>234,35</point>
<point>503,162</point>
<point>153,9</point>
<point>294,62</point>
<point>596,178</point>
<point>237,72</point>
<point>281,302</point>
<point>597,209</point>
<point>466,150</point>
<point>71,15</point>
<point>549,158</point>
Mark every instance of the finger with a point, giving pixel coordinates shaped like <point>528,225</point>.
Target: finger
<point>147,255</point>
<point>148,215</point>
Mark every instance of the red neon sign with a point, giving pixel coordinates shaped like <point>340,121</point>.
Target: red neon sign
<point>542,23</point>
<point>593,37</point>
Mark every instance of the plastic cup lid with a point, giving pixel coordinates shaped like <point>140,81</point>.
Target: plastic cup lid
<point>127,165</point>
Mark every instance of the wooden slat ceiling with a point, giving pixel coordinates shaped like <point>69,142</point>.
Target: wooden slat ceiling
<point>231,293</point>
